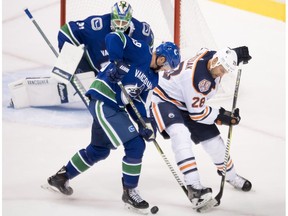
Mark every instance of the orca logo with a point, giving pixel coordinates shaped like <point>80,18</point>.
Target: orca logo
<point>62,91</point>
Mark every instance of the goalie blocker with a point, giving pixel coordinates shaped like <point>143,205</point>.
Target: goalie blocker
<point>54,90</point>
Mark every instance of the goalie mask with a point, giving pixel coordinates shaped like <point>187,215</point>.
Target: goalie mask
<point>227,58</point>
<point>121,16</point>
<point>171,53</point>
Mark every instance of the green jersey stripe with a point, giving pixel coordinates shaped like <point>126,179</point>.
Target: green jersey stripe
<point>79,163</point>
<point>103,89</point>
<point>131,169</point>
<point>110,132</point>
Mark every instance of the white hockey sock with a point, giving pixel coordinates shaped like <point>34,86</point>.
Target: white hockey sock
<point>215,147</point>
<point>184,156</point>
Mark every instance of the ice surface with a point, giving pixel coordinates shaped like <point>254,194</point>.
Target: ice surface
<point>38,141</point>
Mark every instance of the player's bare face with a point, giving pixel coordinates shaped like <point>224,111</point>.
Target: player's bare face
<point>158,63</point>
<point>218,71</point>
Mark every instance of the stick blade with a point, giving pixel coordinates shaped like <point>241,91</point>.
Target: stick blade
<point>209,205</point>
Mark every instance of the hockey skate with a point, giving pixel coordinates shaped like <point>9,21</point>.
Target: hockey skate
<point>239,182</point>
<point>59,182</point>
<point>199,197</point>
<point>134,202</point>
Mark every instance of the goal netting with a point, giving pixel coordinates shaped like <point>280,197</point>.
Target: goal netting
<point>180,21</point>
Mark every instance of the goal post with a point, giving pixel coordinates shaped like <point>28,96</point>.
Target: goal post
<point>177,16</point>
<point>62,12</point>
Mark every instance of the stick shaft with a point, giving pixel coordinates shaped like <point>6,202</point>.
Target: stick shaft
<point>174,173</point>
<point>75,82</point>
<point>227,149</point>
<point>28,13</point>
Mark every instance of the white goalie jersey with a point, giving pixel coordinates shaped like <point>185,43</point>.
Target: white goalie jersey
<point>189,86</point>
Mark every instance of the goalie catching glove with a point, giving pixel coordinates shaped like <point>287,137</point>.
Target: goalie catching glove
<point>117,71</point>
<point>149,132</point>
<point>228,118</point>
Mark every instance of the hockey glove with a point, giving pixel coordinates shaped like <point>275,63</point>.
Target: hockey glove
<point>242,54</point>
<point>117,71</point>
<point>149,132</point>
<point>228,118</point>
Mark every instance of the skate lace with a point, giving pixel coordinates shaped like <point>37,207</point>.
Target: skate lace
<point>134,194</point>
<point>238,181</point>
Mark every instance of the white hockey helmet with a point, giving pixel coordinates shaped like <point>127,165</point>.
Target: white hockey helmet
<point>227,58</point>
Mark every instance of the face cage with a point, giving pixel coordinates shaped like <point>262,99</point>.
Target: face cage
<point>120,25</point>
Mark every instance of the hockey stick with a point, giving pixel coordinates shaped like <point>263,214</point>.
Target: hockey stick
<point>75,82</point>
<point>217,200</point>
<point>154,141</point>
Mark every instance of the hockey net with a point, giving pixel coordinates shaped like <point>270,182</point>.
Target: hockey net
<point>180,21</point>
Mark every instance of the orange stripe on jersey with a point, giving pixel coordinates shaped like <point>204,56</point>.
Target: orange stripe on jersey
<point>197,117</point>
<point>157,117</point>
<point>162,95</point>
<point>187,165</point>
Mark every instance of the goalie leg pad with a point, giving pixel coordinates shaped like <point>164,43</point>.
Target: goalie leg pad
<point>37,91</point>
<point>45,91</point>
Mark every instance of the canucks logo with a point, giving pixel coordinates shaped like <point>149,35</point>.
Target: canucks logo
<point>134,91</point>
<point>131,128</point>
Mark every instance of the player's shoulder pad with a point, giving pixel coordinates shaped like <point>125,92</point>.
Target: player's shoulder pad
<point>121,35</point>
<point>142,27</point>
<point>97,22</point>
<point>203,82</point>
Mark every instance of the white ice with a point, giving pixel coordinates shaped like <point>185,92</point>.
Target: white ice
<point>38,141</point>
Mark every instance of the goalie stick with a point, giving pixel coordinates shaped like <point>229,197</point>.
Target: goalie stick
<point>75,82</point>
<point>154,141</point>
<point>217,200</point>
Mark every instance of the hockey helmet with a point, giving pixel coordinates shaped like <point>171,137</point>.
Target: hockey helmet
<point>121,16</point>
<point>227,58</point>
<point>171,53</point>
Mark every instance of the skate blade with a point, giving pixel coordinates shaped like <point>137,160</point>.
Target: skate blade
<point>136,210</point>
<point>50,188</point>
<point>205,200</point>
<point>209,205</point>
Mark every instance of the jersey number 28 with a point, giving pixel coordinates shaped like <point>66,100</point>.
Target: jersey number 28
<point>198,102</point>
